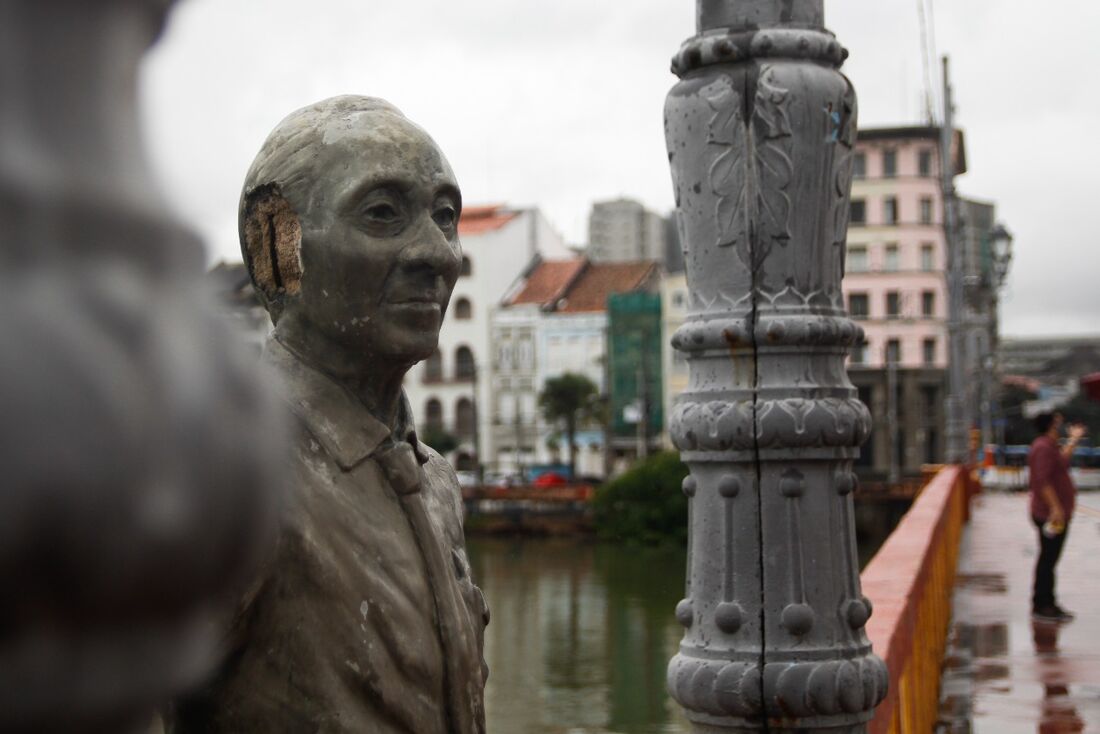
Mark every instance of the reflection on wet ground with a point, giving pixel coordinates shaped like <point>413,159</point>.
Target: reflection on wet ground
<point>1004,672</point>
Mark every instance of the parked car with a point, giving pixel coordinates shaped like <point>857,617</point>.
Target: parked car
<point>551,479</point>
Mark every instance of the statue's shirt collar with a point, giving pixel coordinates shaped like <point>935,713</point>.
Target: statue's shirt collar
<point>335,417</point>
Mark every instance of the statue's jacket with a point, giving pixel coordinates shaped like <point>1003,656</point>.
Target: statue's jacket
<point>367,619</point>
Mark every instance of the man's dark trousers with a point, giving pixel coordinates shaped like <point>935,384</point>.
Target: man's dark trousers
<point>1050,550</point>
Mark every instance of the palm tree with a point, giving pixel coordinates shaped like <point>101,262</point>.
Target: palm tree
<point>569,399</point>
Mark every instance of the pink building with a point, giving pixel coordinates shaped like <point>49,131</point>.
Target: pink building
<point>894,283</point>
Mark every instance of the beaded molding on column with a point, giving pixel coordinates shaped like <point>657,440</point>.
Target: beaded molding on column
<point>723,47</point>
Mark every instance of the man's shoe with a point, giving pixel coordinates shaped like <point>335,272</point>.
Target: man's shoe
<point>1051,614</point>
<point>1065,614</point>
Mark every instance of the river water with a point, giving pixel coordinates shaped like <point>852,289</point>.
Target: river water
<point>581,633</point>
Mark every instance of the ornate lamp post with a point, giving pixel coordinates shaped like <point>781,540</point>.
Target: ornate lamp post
<point>760,132</point>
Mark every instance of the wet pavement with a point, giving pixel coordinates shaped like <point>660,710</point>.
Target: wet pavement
<point>1005,673</point>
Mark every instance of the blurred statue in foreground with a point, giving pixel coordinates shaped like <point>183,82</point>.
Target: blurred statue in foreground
<point>139,447</point>
<point>367,620</point>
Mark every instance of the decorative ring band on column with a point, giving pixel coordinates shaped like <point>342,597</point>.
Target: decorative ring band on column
<point>819,689</point>
<point>799,330</point>
<point>722,47</point>
<point>789,423</point>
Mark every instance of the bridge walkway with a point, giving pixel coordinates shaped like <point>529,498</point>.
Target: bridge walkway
<point>1004,672</point>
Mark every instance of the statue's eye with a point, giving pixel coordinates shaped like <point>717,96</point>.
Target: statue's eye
<point>445,217</point>
<point>382,212</point>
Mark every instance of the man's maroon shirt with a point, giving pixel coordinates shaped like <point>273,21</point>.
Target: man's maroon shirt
<point>1047,466</point>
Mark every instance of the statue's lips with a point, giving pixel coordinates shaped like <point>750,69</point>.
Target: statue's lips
<point>420,304</point>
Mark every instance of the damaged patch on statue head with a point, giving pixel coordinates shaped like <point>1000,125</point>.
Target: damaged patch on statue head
<point>273,245</point>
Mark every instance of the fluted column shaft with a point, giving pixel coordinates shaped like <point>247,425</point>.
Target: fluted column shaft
<point>760,134</point>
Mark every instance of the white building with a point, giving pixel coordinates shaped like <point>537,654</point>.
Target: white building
<point>498,245</point>
<point>553,321</point>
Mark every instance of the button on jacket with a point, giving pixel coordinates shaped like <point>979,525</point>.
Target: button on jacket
<point>367,620</point>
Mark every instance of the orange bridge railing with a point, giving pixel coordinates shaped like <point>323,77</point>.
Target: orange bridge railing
<point>910,582</point>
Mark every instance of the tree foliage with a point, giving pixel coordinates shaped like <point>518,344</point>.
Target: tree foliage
<point>570,399</point>
<point>646,504</point>
<point>439,440</point>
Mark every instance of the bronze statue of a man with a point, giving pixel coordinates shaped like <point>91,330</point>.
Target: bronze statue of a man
<point>367,619</point>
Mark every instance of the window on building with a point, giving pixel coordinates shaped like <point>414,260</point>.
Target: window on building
<point>927,257</point>
<point>858,306</point>
<point>890,210</point>
<point>893,351</point>
<point>928,304</point>
<point>526,355</point>
<point>857,259</point>
<point>893,304</point>
<point>924,162</point>
<point>466,268</point>
<point>504,355</point>
<point>465,425</point>
<point>858,213</point>
<point>465,368</point>
<point>433,367</point>
<point>859,354</point>
<point>433,416</point>
<point>891,262</point>
<point>463,309</point>
<point>929,349</point>
<point>859,165</point>
<point>506,407</point>
<point>926,210</point>
<point>889,163</point>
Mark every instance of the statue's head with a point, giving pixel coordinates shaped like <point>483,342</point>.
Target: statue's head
<point>349,227</point>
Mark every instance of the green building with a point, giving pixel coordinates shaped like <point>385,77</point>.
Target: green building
<point>634,367</point>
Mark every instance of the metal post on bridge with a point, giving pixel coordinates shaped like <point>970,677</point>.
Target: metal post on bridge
<point>760,134</point>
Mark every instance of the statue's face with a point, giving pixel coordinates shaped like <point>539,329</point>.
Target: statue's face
<point>380,250</point>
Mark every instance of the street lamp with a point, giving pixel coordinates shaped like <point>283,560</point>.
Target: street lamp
<point>1001,240</point>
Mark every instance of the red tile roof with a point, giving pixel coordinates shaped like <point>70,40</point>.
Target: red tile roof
<point>549,282</point>
<point>480,219</point>
<point>600,280</point>
<point>580,286</point>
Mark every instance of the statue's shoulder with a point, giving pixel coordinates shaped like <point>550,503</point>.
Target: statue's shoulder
<point>440,470</point>
<point>443,490</point>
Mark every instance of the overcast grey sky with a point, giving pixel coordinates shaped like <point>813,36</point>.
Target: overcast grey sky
<point>558,104</point>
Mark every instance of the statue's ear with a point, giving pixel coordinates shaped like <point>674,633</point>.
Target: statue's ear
<point>272,245</point>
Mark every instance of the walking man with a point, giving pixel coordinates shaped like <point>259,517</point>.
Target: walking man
<point>1053,497</point>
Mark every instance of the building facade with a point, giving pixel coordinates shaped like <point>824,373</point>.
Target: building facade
<point>498,244</point>
<point>895,286</point>
<point>554,320</point>
<point>895,283</point>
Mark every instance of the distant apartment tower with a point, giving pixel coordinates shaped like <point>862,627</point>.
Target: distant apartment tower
<point>622,230</point>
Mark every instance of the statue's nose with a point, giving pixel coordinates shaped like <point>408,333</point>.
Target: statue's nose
<point>431,249</point>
